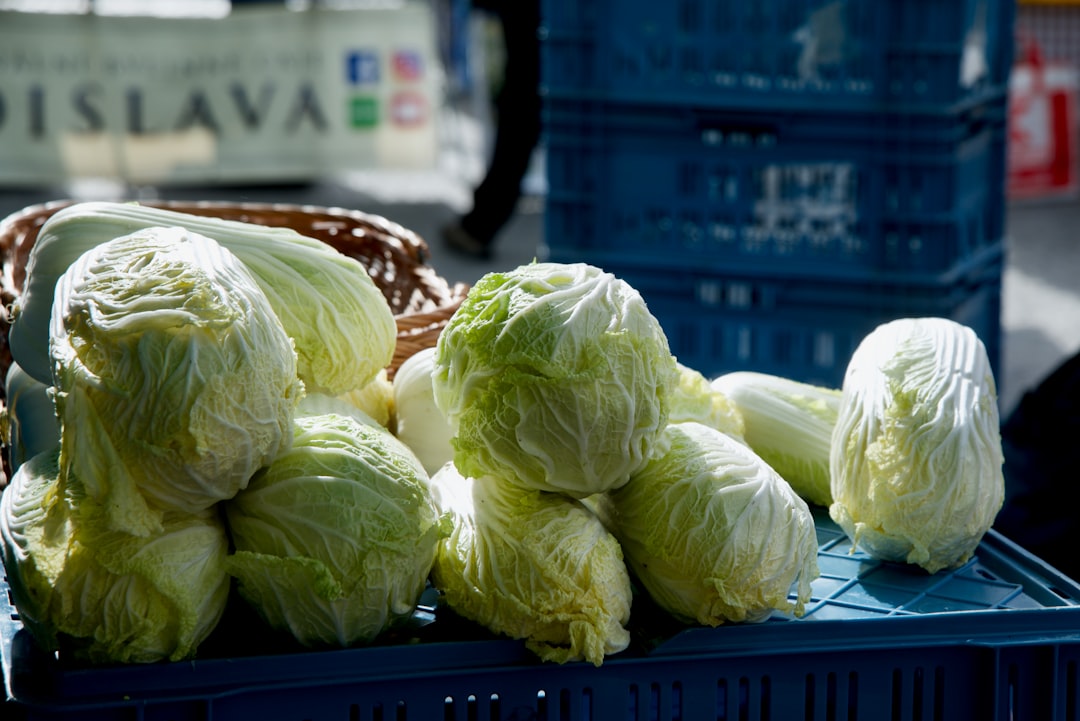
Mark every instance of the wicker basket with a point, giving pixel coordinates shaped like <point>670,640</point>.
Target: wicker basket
<point>396,258</point>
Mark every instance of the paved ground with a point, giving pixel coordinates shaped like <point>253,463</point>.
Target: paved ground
<point>1041,293</point>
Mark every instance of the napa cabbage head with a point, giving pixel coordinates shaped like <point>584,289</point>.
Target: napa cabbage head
<point>695,399</point>
<point>916,457</point>
<point>789,424</point>
<point>712,532</point>
<point>418,422</point>
<point>341,323</point>
<point>532,565</point>
<point>335,539</point>
<point>174,379</point>
<point>553,376</point>
<point>104,595</point>
<point>29,418</point>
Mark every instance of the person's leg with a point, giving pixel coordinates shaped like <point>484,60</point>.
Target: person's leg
<point>517,134</point>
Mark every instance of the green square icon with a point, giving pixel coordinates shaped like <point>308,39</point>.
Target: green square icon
<point>363,112</point>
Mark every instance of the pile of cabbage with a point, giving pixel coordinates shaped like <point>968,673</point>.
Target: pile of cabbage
<point>906,455</point>
<point>585,465</point>
<point>197,411</point>
<point>200,410</point>
<point>555,416</point>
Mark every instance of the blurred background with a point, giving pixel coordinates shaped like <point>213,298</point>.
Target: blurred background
<point>776,178</point>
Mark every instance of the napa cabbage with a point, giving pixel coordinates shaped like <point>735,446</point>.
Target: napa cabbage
<point>340,321</point>
<point>174,379</point>
<point>555,377</point>
<point>789,424</point>
<point>105,595</point>
<point>916,457</point>
<point>532,565</point>
<point>335,539</point>
<point>712,532</point>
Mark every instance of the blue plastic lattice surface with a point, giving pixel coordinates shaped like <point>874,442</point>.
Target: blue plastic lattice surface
<point>998,638</point>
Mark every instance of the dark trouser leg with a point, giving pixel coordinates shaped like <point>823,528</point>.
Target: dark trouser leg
<point>517,125</point>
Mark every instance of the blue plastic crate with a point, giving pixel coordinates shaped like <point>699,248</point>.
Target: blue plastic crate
<point>995,640</point>
<point>815,195</point>
<point>804,329</point>
<point>907,55</point>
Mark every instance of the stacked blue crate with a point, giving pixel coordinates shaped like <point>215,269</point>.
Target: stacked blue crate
<point>842,55</point>
<point>777,178</point>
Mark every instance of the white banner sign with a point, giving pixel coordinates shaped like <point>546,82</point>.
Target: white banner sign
<point>262,94</point>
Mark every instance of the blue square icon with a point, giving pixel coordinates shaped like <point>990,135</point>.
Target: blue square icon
<point>362,67</point>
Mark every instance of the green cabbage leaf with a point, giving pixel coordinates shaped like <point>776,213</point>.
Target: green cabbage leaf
<point>174,380</point>
<point>104,595</point>
<point>712,532</point>
<point>532,565</point>
<point>335,539</point>
<point>555,377</point>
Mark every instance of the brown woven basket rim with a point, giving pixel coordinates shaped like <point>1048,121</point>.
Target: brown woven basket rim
<point>422,301</point>
<point>397,259</point>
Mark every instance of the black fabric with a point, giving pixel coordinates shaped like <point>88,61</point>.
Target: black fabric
<point>517,121</point>
<point>1041,443</point>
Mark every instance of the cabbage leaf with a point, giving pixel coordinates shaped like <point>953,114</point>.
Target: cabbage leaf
<point>555,377</point>
<point>174,380</point>
<point>335,539</point>
<point>532,565</point>
<point>712,532</point>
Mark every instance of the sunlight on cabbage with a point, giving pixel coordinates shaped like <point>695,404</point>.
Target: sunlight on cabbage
<point>104,595</point>
<point>532,565</point>
<point>174,379</point>
<point>712,532</point>
<point>335,539</point>
<point>555,377</point>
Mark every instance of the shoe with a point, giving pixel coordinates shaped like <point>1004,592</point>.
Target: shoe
<point>464,243</point>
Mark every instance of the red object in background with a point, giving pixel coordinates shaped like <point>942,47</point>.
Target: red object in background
<point>1042,148</point>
